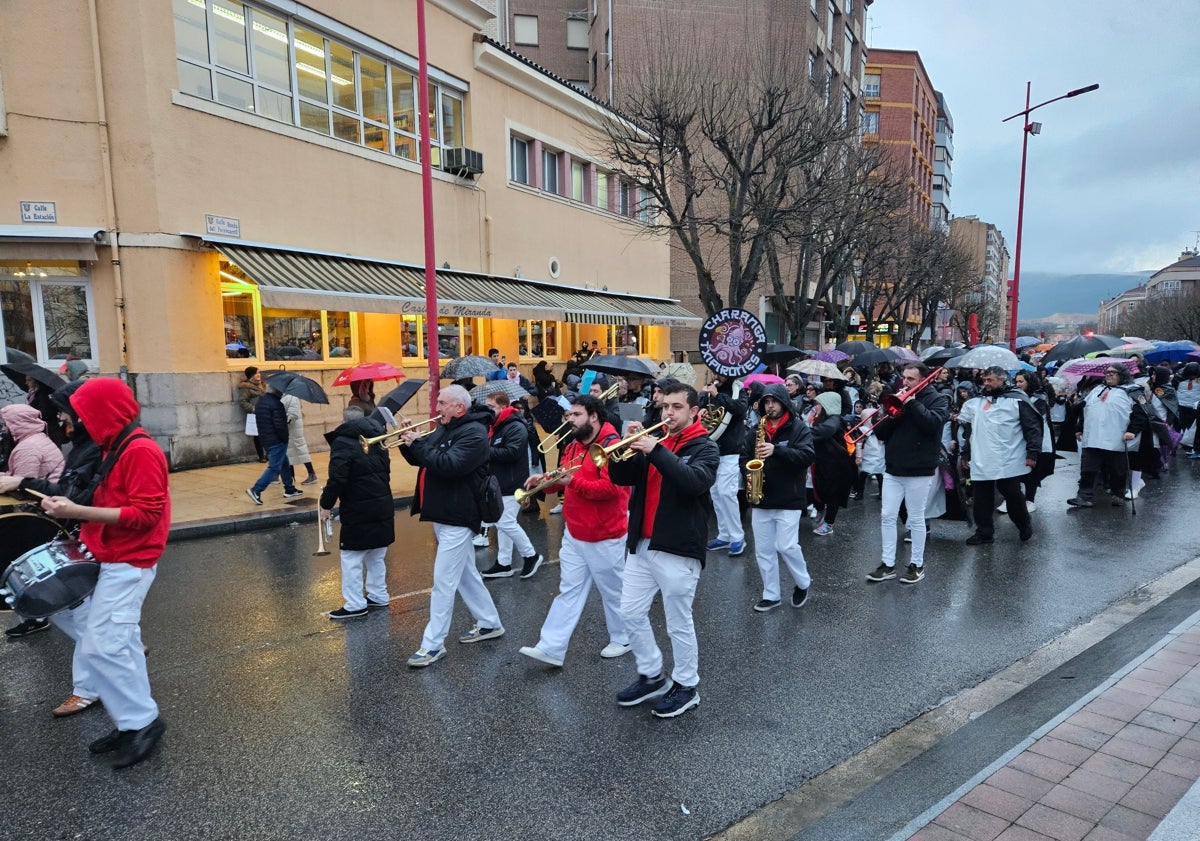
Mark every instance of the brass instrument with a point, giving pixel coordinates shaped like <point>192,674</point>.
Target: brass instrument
<point>890,406</point>
<point>620,450</point>
<point>713,420</point>
<point>524,497</point>
<point>754,467</point>
<point>382,440</point>
<point>559,436</point>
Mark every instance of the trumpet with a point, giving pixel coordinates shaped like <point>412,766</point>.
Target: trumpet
<point>524,497</point>
<point>620,450</point>
<point>382,440</point>
<point>564,430</point>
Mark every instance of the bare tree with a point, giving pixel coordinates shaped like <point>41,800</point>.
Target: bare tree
<point>1164,315</point>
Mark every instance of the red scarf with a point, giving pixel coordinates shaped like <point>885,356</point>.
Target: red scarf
<point>505,413</point>
<point>654,478</point>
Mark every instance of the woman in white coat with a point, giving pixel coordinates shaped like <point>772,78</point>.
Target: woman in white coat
<point>297,451</point>
<point>1110,431</point>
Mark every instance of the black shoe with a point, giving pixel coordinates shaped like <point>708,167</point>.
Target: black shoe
<point>29,626</point>
<point>342,614</point>
<point>643,690</point>
<point>676,702</point>
<point>977,539</point>
<point>856,495</point>
<point>107,743</point>
<point>883,572</point>
<point>137,744</point>
<point>908,535</point>
<point>1079,502</point>
<point>799,597</point>
<point>254,495</point>
<point>497,570</point>
<point>1026,533</point>
<point>766,605</point>
<point>293,493</point>
<point>531,565</point>
<point>374,605</point>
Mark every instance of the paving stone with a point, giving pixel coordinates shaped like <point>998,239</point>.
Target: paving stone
<point>1130,821</point>
<point>1165,723</point>
<point>1082,736</point>
<point>971,822</point>
<point>1068,752</point>
<point>1099,785</point>
<point>1104,833</point>
<point>1125,770</point>
<point>1055,824</point>
<point>1020,833</point>
<point>1078,803</point>
<point>1042,766</point>
<point>1027,785</point>
<point>933,832</point>
<point>1176,709</point>
<point>1095,721</point>
<point>1180,766</point>
<point>1146,755</point>
<point>1001,803</point>
<point>1144,797</point>
<point>1187,747</point>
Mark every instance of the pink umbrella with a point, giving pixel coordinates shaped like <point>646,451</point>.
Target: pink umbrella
<point>904,353</point>
<point>1077,369</point>
<point>765,379</point>
<point>369,371</point>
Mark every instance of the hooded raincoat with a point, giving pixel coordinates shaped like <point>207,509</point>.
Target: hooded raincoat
<point>35,456</point>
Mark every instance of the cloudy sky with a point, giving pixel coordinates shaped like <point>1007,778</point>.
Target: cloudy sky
<point>1113,180</point>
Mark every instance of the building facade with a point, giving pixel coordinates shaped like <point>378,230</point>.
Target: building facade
<point>193,187</point>
<point>1180,278</point>
<point>907,109</point>
<point>989,263</point>
<point>943,164</point>
<point>1118,308</point>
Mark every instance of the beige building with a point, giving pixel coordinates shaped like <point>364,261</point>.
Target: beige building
<point>191,187</point>
<point>1118,308</point>
<point>989,260</point>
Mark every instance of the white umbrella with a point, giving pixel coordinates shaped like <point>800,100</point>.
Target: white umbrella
<point>986,356</point>
<point>817,368</point>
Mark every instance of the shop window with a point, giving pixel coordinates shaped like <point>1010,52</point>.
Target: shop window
<point>273,334</point>
<point>625,339</point>
<point>455,337</point>
<point>46,311</point>
<point>538,339</point>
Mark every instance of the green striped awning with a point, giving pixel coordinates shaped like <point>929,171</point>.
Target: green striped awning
<point>310,280</point>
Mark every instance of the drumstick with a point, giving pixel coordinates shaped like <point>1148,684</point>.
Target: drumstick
<point>38,494</point>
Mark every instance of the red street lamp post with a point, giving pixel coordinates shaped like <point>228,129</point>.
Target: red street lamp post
<point>431,312</point>
<point>1029,128</point>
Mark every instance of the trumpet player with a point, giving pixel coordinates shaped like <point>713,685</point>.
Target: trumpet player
<point>668,524</point>
<point>784,444</point>
<point>595,512</point>
<point>730,437</point>
<point>509,459</point>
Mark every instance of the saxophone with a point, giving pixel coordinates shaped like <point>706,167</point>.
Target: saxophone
<point>754,467</point>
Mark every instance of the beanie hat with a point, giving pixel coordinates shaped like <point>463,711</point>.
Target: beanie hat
<point>831,403</point>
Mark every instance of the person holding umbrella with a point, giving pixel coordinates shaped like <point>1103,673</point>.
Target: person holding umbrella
<point>273,430</point>
<point>1109,429</point>
<point>39,384</point>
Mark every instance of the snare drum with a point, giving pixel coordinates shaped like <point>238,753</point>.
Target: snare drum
<point>50,578</point>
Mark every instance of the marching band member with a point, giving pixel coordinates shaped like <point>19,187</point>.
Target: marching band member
<point>787,452</point>
<point>912,442</point>
<point>509,458</point>
<point>593,545</point>
<point>125,527</point>
<point>450,459</point>
<point>729,437</point>
<point>668,522</point>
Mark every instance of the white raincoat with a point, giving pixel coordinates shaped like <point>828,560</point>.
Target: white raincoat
<point>1105,418</point>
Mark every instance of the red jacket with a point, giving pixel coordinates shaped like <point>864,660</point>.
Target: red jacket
<point>137,483</point>
<point>594,508</point>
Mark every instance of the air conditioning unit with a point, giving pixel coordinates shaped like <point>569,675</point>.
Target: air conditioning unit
<point>465,163</point>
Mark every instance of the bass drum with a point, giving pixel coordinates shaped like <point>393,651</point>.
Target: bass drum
<point>50,578</point>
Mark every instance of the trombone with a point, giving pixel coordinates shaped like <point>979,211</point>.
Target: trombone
<point>619,451</point>
<point>524,497</point>
<point>382,440</point>
<point>564,430</point>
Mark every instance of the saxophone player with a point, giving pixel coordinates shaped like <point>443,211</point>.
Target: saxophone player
<point>785,446</point>
<point>719,397</point>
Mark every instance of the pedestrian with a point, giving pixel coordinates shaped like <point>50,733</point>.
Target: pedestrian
<point>1108,432</point>
<point>721,395</point>
<point>668,523</point>
<point>543,380</point>
<point>271,417</point>
<point>452,461</point>
<point>248,391</point>
<point>509,462</point>
<point>513,374</point>
<point>37,395</point>
<point>1030,383</point>
<point>595,515</point>
<point>1004,434</point>
<point>1187,393</point>
<point>361,481</point>
<point>912,450</point>
<point>125,527</point>
<point>362,395</point>
<point>33,455</point>
<point>297,451</point>
<point>833,470</point>
<point>501,371</point>
<point>786,451</point>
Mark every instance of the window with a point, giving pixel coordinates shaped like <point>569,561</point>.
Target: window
<point>624,339</point>
<point>828,86</point>
<point>525,30</point>
<point>578,172</point>
<point>831,13</point>
<point>847,100</point>
<point>870,122</point>
<point>1170,286</point>
<point>812,6</point>
<point>593,72</point>
<point>602,190</point>
<point>849,4</point>
<point>550,171</point>
<point>939,153</point>
<point>456,336</point>
<point>847,53</point>
<point>812,66</point>
<point>252,331</point>
<point>577,34</point>
<point>625,198</point>
<point>337,90</point>
<point>520,160</point>
<point>607,47</point>
<point>871,86</point>
<point>538,339</point>
<point>46,310</point>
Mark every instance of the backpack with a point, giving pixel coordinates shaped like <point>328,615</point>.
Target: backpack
<point>489,498</point>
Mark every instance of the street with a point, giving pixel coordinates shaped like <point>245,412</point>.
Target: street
<point>282,724</point>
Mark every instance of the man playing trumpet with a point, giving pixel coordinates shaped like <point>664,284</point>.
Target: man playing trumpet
<point>595,513</point>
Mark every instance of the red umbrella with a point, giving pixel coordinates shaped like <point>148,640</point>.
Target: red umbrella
<point>369,371</point>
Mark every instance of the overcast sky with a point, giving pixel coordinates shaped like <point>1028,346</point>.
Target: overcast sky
<point>1113,180</point>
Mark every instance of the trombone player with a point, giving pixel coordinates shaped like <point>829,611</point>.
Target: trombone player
<point>593,542</point>
<point>784,443</point>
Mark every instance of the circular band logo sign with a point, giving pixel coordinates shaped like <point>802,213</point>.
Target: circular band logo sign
<point>732,342</point>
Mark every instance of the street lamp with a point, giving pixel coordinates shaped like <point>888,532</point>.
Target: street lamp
<point>1029,128</point>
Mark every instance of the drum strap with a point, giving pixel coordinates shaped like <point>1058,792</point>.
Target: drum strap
<point>124,438</point>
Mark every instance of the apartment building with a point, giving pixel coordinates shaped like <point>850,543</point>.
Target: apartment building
<point>1119,307</point>
<point>943,164</point>
<point>989,261</point>
<point>906,109</point>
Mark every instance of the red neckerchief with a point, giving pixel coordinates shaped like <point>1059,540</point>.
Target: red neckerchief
<point>654,478</point>
<point>505,413</point>
<point>773,426</point>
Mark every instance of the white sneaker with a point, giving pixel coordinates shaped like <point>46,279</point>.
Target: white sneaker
<point>480,541</point>
<point>541,656</point>
<point>1030,507</point>
<point>615,649</point>
<point>556,509</point>
<point>812,512</point>
<point>1137,490</point>
<point>1003,507</point>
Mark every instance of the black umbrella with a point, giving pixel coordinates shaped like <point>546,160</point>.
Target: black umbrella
<point>14,355</point>
<point>298,386</point>
<point>944,355</point>
<point>780,353</point>
<point>1080,346</point>
<point>868,358</point>
<point>18,371</point>
<point>468,366</point>
<point>620,365</point>
<point>395,399</point>
<point>856,346</point>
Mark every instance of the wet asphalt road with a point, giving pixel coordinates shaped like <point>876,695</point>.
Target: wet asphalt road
<point>282,724</point>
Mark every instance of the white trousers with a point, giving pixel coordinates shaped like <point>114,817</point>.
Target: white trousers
<point>353,563</point>
<point>776,535</point>
<point>509,534</point>
<point>914,492</point>
<point>646,573</point>
<point>580,564</point>
<point>454,571</point>
<point>724,493</point>
<point>109,662</point>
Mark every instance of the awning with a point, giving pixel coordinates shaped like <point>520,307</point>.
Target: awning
<point>311,280</point>
<point>48,242</point>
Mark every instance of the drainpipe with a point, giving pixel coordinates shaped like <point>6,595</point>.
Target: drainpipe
<point>110,201</point>
<point>611,39</point>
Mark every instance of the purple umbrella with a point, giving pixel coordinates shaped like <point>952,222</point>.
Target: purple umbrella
<point>904,353</point>
<point>833,356</point>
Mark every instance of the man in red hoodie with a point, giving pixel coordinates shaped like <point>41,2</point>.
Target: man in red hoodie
<point>126,529</point>
<point>593,543</point>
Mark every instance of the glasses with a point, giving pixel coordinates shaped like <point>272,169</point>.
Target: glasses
<point>1111,371</point>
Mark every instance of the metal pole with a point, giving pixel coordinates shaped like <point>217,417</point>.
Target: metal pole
<point>431,300</point>
<point>1016,284</point>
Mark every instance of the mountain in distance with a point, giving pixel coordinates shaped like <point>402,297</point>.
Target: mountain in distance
<point>1046,293</point>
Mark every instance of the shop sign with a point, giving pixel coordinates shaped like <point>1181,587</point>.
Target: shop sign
<point>664,322</point>
<point>448,308</point>
<point>222,226</point>
<point>39,211</point>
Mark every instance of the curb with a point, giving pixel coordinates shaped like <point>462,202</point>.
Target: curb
<point>252,522</point>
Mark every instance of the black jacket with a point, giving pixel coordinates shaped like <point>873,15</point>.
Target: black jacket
<point>80,466</point>
<point>834,470</point>
<point>272,420</point>
<point>914,438</point>
<point>731,440</point>
<point>453,460</point>
<point>362,482</point>
<point>509,457</point>
<point>681,521</point>
<point>784,471</point>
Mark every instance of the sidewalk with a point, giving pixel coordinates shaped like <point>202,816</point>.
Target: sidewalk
<point>1121,763</point>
